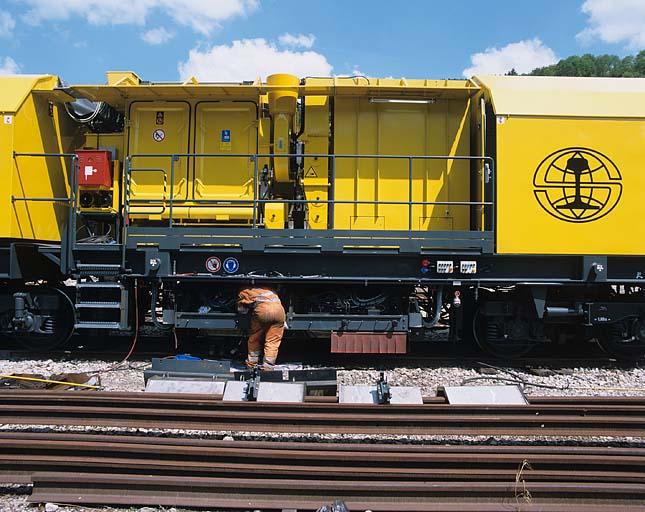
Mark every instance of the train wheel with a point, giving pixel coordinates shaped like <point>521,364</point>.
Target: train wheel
<point>503,337</point>
<point>58,322</point>
<point>624,339</point>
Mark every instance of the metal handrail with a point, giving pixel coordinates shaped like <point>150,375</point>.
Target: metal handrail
<point>174,157</point>
<point>255,201</point>
<point>15,199</point>
<point>71,200</point>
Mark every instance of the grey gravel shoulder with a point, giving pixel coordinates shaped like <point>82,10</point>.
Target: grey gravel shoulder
<point>574,381</point>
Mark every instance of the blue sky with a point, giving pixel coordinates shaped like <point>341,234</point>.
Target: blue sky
<point>242,39</point>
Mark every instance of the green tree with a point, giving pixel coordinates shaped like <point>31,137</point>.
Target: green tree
<point>596,65</point>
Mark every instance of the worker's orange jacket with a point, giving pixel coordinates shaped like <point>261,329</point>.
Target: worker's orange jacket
<point>264,304</point>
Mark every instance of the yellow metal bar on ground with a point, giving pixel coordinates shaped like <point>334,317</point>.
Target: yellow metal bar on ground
<point>33,379</point>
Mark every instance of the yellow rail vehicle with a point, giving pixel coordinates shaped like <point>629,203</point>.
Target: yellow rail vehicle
<point>371,205</point>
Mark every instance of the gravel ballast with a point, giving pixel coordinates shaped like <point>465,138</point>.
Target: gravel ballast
<point>612,381</point>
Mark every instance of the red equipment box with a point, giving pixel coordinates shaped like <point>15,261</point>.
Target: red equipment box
<point>94,168</point>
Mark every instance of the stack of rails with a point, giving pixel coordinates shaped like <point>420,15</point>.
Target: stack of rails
<point>574,416</point>
<point>136,470</point>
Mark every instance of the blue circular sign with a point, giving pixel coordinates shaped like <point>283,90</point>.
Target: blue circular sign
<point>231,265</point>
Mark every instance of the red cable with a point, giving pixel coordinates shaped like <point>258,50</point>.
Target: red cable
<point>136,330</point>
<point>136,322</point>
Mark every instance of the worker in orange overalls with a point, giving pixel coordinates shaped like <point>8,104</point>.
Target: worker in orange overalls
<point>267,323</point>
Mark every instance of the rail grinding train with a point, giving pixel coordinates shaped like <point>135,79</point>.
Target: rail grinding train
<point>371,205</point>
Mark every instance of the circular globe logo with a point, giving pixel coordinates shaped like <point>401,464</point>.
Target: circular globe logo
<point>577,184</point>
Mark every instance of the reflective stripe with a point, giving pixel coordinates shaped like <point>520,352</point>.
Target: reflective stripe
<point>253,357</point>
<point>267,296</point>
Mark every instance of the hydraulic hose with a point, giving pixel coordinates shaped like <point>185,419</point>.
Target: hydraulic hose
<point>301,130</point>
<point>437,309</point>
<point>153,309</point>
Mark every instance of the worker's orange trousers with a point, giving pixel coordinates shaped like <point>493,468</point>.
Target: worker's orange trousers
<point>267,324</point>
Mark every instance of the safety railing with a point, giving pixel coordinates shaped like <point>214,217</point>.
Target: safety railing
<point>171,202</point>
<point>168,185</point>
<point>70,235</point>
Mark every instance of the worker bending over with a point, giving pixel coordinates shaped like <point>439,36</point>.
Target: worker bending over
<point>267,324</point>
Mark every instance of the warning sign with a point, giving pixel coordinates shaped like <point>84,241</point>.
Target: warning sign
<point>225,140</point>
<point>158,135</point>
<point>213,264</point>
<point>159,118</point>
<point>311,173</point>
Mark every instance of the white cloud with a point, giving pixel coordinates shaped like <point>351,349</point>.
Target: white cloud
<point>7,24</point>
<point>249,58</point>
<point>615,21</point>
<point>524,56</point>
<point>202,16</point>
<point>297,40</point>
<point>157,35</point>
<point>8,66</point>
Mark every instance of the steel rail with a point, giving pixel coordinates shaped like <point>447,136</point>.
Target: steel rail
<point>34,395</point>
<point>138,410</point>
<point>375,494</point>
<point>143,398</point>
<point>144,470</point>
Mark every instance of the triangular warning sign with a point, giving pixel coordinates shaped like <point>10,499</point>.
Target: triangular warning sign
<point>311,173</point>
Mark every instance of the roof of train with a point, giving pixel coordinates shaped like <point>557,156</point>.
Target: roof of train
<point>130,88</point>
<point>566,96</point>
<point>16,88</point>
<point>511,95</point>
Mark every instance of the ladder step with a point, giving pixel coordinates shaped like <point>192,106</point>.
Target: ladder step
<point>106,266</point>
<point>98,269</point>
<point>97,325</point>
<point>100,284</point>
<point>106,304</point>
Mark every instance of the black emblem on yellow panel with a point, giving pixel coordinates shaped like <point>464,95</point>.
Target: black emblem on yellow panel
<point>577,184</point>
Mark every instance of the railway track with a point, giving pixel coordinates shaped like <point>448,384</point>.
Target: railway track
<point>141,470</point>
<point>621,417</point>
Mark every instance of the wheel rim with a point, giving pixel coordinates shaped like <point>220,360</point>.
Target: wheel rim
<point>62,324</point>
<point>492,340</point>
<point>624,340</point>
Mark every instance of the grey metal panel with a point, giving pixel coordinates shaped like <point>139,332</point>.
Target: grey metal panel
<point>402,395</point>
<point>187,320</point>
<point>357,395</point>
<point>408,395</point>
<point>300,240</point>
<point>345,322</point>
<point>276,392</point>
<point>485,395</point>
<point>202,386</point>
<point>204,368</point>
<point>235,391</point>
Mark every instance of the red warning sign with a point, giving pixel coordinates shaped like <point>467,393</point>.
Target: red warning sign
<point>213,264</point>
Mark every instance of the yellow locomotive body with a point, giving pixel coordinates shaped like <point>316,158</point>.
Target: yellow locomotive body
<point>543,122</point>
<point>32,121</point>
<point>209,126</point>
<point>371,202</point>
<point>357,120</point>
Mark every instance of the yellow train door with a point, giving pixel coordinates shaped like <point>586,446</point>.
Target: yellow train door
<point>224,129</point>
